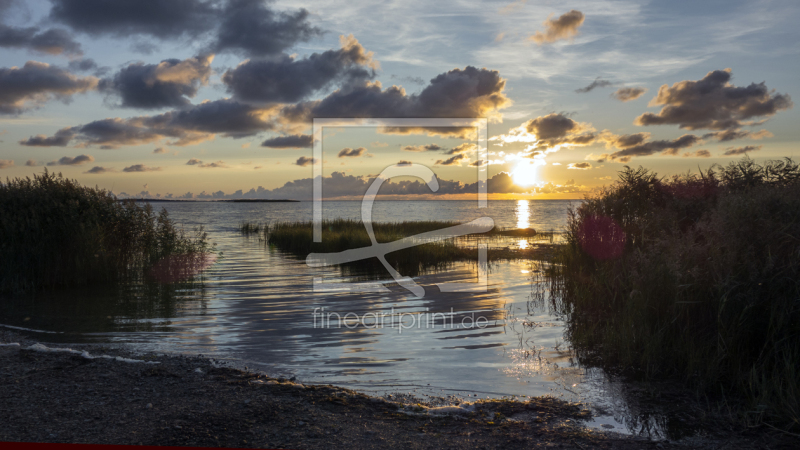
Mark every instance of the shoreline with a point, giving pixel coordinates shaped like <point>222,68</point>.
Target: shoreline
<point>92,396</point>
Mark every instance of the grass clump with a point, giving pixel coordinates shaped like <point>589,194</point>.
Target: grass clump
<point>694,277</point>
<point>56,233</point>
<point>343,234</point>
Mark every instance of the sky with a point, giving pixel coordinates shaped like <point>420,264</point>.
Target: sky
<point>216,99</point>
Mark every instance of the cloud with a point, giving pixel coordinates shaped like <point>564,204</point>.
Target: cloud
<point>214,165</point>
<point>697,154</point>
<point>141,168</point>
<point>462,148</point>
<point>123,18</point>
<point>422,148</point>
<point>68,161</point>
<point>733,134</point>
<point>252,28</point>
<point>713,103</point>
<point>731,151</point>
<point>289,141</point>
<point>304,161</point>
<point>666,146</point>
<point>35,83</point>
<point>459,93</point>
<point>628,93</point>
<point>193,162</point>
<point>159,150</point>
<point>455,160</point>
<point>352,152</point>
<point>167,84</point>
<point>32,163</point>
<point>285,79</point>
<point>597,83</point>
<point>99,170</point>
<point>404,162</point>
<point>565,27</point>
<point>60,139</point>
<point>579,166</point>
<point>54,41</point>
<point>6,163</point>
<point>82,65</point>
<point>187,126</point>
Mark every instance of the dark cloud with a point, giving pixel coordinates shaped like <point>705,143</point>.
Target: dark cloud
<point>54,41</point>
<point>565,27</point>
<point>252,28</point>
<point>214,165</point>
<point>422,148</point>
<point>123,18</point>
<point>68,161</point>
<point>188,126</point>
<point>167,84</point>
<point>82,65</point>
<point>35,83</point>
<point>32,163</point>
<point>731,151</point>
<point>288,80</point>
<point>462,148</point>
<point>733,134</point>
<point>98,170</point>
<point>404,162</point>
<point>459,93</point>
<point>557,129</point>
<point>193,162</point>
<point>597,83</point>
<point>304,161</point>
<point>579,166</point>
<point>352,152</point>
<point>455,160</point>
<point>6,163</point>
<point>60,139</point>
<point>289,141</point>
<point>667,147</point>
<point>697,154</point>
<point>141,168</point>
<point>478,163</point>
<point>629,93</point>
<point>159,150</point>
<point>713,103</point>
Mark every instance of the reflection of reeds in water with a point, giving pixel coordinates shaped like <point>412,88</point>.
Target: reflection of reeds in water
<point>55,232</point>
<point>694,278</point>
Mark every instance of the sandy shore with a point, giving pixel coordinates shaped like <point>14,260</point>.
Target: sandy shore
<point>95,397</point>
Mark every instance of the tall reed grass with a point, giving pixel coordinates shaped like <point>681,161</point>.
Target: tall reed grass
<point>55,232</point>
<point>694,277</point>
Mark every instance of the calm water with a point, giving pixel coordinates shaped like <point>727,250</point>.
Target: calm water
<point>256,307</point>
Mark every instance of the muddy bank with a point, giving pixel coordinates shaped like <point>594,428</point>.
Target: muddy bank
<point>153,399</point>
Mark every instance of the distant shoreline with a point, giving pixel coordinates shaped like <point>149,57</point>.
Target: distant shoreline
<point>241,200</point>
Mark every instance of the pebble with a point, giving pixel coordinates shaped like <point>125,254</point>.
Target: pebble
<point>301,423</point>
<point>149,406</point>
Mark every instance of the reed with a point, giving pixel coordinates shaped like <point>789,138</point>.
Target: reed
<point>55,232</point>
<point>694,277</point>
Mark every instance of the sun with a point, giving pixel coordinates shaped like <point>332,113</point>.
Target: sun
<point>524,174</point>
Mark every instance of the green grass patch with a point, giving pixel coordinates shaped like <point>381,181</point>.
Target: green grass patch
<point>694,277</point>
<point>55,232</point>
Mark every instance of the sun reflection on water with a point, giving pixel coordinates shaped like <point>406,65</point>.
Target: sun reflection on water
<point>523,212</point>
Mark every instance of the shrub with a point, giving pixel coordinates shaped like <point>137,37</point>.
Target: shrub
<point>703,284</point>
<point>55,232</point>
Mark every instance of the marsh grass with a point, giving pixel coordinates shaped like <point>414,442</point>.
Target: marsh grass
<point>55,232</point>
<point>343,234</point>
<point>694,278</point>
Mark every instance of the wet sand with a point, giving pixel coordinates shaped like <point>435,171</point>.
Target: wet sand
<point>194,401</point>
